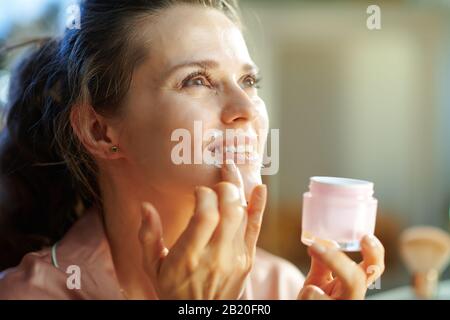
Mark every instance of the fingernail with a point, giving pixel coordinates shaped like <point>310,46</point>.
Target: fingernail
<point>144,212</point>
<point>371,240</point>
<point>318,248</point>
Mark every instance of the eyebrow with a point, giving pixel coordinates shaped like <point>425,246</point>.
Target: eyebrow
<point>207,64</point>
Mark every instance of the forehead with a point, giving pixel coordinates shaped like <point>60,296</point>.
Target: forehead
<point>192,32</point>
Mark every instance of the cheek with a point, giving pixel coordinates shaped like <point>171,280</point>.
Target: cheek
<point>144,141</point>
<point>148,139</point>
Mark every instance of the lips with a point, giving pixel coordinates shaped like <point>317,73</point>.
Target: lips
<point>243,149</point>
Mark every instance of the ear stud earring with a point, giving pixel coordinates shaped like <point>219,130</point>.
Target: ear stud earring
<point>114,149</point>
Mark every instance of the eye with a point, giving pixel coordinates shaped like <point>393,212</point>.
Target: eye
<point>198,78</point>
<point>251,81</point>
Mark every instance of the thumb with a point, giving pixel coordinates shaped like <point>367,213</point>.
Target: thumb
<point>150,237</point>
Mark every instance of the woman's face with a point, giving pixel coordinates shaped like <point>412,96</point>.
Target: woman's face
<point>198,73</point>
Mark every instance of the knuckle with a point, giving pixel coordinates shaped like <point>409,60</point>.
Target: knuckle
<point>236,213</point>
<point>208,192</point>
<point>232,187</point>
<point>243,264</point>
<point>225,187</point>
<point>247,267</point>
<point>191,264</point>
<point>207,216</point>
<point>203,193</point>
<point>219,269</point>
<point>241,211</point>
<point>223,267</point>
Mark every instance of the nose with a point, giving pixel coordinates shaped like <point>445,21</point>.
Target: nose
<point>238,106</point>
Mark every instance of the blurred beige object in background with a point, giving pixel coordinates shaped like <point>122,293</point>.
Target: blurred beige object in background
<point>426,253</point>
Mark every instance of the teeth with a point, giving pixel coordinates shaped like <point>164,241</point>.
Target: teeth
<point>240,148</point>
<point>254,157</point>
<point>230,149</point>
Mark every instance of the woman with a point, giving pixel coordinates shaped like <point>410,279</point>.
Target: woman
<point>88,170</point>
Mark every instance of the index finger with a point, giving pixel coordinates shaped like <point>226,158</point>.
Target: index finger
<point>350,274</point>
<point>231,173</point>
<point>319,273</point>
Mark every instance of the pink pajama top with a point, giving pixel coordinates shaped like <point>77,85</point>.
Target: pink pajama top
<point>42,274</point>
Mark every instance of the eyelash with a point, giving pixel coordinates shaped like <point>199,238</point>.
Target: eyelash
<point>204,73</point>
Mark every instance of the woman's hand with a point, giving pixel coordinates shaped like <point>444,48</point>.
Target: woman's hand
<point>333,275</point>
<point>213,256</point>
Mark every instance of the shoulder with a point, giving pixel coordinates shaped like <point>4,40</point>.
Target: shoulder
<point>273,277</point>
<point>33,278</point>
<point>85,247</point>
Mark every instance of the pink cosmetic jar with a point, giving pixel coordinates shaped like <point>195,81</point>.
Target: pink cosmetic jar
<point>338,210</point>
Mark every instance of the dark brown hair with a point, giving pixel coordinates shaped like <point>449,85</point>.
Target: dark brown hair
<point>47,178</point>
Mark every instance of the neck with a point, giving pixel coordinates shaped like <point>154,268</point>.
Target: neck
<point>122,219</point>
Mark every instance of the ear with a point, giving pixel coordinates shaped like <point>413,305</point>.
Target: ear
<point>94,132</point>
